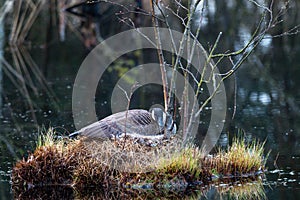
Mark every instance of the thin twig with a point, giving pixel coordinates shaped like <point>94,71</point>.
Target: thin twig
<point>160,54</point>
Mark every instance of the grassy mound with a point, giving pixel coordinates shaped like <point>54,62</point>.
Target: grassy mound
<point>127,164</point>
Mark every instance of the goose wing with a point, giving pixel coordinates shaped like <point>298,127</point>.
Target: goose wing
<point>130,122</point>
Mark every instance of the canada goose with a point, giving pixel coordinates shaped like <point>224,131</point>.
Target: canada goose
<point>136,123</point>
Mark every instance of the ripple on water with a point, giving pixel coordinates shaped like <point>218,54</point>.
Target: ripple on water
<point>285,178</point>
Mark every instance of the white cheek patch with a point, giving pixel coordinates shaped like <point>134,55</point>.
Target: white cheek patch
<point>152,115</point>
<point>164,118</point>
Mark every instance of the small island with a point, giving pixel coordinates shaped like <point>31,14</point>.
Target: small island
<point>82,164</point>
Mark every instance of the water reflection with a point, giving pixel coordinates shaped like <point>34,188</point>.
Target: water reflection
<point>234,190</point>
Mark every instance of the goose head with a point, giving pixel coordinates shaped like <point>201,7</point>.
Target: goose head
<point>159,116</point>
<point>164,120</point>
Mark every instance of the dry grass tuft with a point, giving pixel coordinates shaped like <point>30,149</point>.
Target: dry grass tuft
<point>130,156</point>
<point>239,159</point>
<point>52,163</point>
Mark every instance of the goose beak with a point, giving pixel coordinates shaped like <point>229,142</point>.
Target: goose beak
<point>170,125</point>
<point>169,122</point>
<point>174,130</point>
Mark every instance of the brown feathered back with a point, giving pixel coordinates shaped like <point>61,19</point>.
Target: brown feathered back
<point>134,122</point>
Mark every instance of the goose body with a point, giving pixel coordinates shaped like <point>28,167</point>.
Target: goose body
<point>136,123</point>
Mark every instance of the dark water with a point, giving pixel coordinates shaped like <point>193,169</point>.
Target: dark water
<point>37,93</point>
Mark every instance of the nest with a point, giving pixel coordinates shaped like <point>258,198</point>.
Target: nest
<point>131,163</point>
